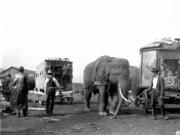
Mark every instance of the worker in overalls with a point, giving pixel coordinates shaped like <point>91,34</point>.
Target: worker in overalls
<point>50,87</point>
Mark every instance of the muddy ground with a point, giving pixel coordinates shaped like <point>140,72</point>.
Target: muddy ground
<point>73,120</point>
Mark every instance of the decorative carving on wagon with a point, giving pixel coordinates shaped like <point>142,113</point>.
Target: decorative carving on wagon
<point>162,52</point>
<point>170,73</point>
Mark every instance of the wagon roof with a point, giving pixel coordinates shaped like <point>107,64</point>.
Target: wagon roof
<point>165,43</point>
<point>58,60</point>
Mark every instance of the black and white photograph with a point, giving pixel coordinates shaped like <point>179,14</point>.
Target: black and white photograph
<point>89,67</point>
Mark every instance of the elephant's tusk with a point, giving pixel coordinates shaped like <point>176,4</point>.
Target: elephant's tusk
<point>120,91</point>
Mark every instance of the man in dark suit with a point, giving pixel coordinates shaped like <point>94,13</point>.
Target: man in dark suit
<point>157,92</point>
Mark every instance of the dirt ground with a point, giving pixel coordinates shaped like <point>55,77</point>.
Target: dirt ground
<point>73,120</point>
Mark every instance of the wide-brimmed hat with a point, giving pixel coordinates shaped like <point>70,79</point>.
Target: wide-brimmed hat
<point>155,70</point>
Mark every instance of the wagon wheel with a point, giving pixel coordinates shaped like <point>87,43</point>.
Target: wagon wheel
<point>145,102</point>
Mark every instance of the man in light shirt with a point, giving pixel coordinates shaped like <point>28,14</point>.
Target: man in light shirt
<point>155,80</point>
<point>157,92</point>
<point>50,87</point>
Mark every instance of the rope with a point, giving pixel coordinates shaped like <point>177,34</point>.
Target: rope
<point>134,99</point>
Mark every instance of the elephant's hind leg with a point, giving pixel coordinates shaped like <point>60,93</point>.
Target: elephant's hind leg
<point>87,97</point>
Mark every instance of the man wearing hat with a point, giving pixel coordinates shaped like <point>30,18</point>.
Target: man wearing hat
<point>154,84</point>
<point>157,91</point>
<point>50,86</point>
<point>20,85</point>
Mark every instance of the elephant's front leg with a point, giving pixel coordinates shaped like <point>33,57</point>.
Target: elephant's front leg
<point>87,97</point>
<point>102,101</point>
<point>114,103</point>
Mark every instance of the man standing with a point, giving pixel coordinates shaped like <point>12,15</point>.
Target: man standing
<point>6,90</point>
<point>154,84</point>
<point>20,85</point>
<point>157,92</point>
<point>50,86</point>
<point>67,76</point>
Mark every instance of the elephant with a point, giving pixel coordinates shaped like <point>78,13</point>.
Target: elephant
<point>106,76</point>
<point>134,81</point>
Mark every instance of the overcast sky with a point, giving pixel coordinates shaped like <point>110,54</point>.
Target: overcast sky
<point>82,30</point>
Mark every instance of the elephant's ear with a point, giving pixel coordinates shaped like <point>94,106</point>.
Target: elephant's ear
<point>99,61</point>
<point>95,69</point>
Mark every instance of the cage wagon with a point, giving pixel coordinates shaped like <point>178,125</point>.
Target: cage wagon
<point>164,56</point>
<point>62,71</point>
